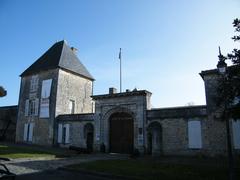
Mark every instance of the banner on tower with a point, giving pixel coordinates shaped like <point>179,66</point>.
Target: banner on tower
<point>45,96</point>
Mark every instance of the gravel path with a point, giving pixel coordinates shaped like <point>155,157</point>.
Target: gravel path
<point>32,165</point>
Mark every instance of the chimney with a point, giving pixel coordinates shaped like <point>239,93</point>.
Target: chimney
<point>74,50</point>
<point>128,90</point>
<point>112,90</point>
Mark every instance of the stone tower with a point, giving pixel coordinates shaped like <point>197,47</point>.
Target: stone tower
<point>57,83</point>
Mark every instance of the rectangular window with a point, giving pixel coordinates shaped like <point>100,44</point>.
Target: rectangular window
<point>33,107</point>
<point>60,127</point>
<point>194,134</point>
<point>66,133</point>
<point>236,133</point>
<point>34,83</point>
<point>71,106</point>
<point>63,133</point>
<point>45,98</point>
<point>28,132</point>
<point>46,88</point>
<point>25,133</point>
<point>27,107</point>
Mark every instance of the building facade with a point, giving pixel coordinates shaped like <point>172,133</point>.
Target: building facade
<point>57,107</point>
<point>57,83</point>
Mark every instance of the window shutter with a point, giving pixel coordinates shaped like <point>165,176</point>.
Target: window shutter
<point>30,133</point>
<point>36,107</point>
<point>25,132</point>
<point>67,133</point>
<point>236,133</point>
<point>36,83</point>
<point>27,107</point>
<point>60,133</point>
<point>194,134</point>
<point>31,85</point>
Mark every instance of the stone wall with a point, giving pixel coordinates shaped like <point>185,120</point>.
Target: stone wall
<point>8,119</point>
<point>77,123</point>
<point>134,103</point>
<point>66,86</point>
<point>76,88</point>
<point>174,128</point>
<point>216,134</point>
<point>43,127</point>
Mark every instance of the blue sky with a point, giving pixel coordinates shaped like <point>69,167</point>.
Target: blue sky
<point>165,43</point>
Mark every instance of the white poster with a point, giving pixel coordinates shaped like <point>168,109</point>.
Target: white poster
<point>45,95</point>
<point>46,88</point>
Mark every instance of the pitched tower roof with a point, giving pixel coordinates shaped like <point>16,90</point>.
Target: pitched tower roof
<point>60,55</point>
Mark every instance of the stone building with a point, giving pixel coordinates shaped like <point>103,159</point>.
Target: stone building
<point>57,107</point>
<point>57,83</point>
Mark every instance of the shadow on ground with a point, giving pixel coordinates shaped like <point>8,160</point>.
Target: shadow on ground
<point>57,175</point>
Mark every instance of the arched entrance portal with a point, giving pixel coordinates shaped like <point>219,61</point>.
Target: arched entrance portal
<point>121,133</point>
<point>88,135</point>
<point>154,138</point>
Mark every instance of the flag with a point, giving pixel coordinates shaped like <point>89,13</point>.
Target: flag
<point>120,54</point>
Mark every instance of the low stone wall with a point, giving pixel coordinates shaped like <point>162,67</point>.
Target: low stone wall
<point>174,128</point>
<point>76,123</point>
<point>8,119</point>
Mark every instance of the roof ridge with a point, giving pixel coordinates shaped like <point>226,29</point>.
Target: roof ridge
<point>60,58</point>
<point>59,55</point>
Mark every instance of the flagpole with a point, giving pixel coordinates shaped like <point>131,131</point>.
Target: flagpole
<point>120,57</point>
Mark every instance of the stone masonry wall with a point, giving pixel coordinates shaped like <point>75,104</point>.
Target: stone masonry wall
<point>43,127</point>
<point>77,123</point>
<point>134,105</point>
<point>174,122</point>
<point>216,133</point>
<point>174,128</point>
<point>175,136</point>
<point>8,119</point>
<point>76,88</point>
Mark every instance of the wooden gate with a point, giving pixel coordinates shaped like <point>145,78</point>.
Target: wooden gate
<point>121,133</point>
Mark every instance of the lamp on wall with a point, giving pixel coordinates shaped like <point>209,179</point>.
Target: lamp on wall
<point>222,65</point>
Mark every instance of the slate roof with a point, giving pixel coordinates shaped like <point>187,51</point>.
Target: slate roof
<point>60,55</point>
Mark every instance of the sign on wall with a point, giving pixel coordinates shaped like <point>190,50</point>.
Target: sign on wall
<point>45,96</point>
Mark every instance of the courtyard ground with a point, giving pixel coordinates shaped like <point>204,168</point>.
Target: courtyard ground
<point>34,162</point>
<point>13,151</point>
<point>166,168</point>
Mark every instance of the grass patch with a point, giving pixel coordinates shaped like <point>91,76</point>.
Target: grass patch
<point>152,170</point>
<point>21,151</point>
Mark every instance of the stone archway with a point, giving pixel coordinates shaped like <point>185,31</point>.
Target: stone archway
<point>121,133</point>
<point>154,137</point>
<point>88,135</point>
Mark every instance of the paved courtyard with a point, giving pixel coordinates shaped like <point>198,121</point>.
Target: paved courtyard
<point>59,175</point>
<point>35,165</point>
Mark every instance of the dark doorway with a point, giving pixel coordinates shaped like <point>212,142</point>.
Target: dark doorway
<point>88,134</point>
<point>90,141</point>
<point>154,138</point>
<point>121,133</point>
<point>149,149</point>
